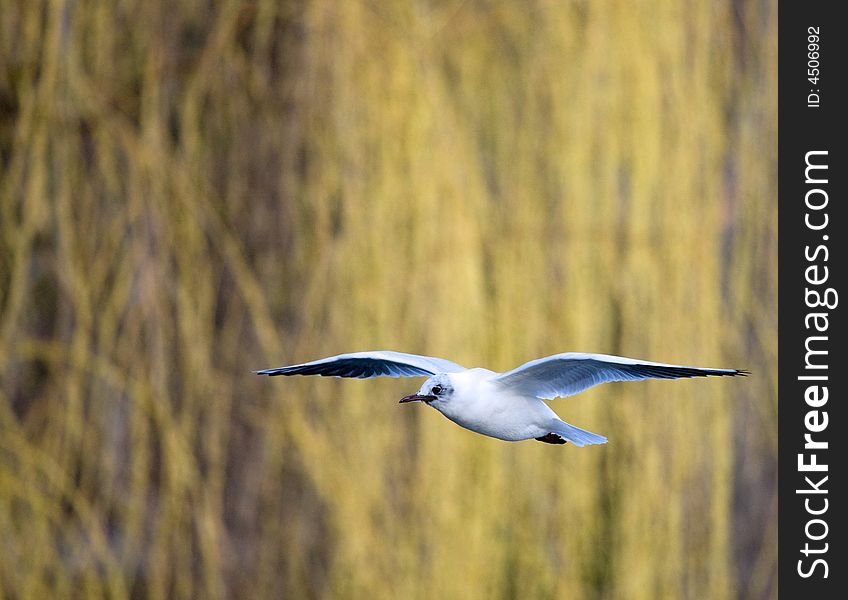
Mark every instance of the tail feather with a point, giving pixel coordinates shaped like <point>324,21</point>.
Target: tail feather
<point>575,435</point>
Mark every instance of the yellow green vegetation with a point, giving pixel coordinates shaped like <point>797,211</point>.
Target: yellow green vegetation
<point>193,190</point>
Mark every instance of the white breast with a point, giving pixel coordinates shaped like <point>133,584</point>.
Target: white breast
<point>481,405</point>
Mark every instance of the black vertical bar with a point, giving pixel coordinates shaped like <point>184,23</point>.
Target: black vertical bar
<point>813,224</point>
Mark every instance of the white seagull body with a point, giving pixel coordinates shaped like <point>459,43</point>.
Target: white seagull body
<point>507,406</point>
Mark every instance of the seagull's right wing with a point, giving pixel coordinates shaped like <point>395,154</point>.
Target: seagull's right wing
<point>376,363</point>
<point>563,375</point>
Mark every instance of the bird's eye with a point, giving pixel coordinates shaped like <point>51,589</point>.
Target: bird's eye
<point>436,389</point>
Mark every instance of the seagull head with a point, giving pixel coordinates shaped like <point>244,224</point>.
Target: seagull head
<point>435,391</point>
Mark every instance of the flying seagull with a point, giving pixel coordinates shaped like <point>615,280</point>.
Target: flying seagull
<point>507,406</point>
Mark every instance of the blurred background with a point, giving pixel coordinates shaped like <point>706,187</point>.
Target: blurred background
<point>193,190</point>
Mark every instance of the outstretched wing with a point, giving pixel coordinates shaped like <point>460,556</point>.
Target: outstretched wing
<point>563,375</point>
<point>377,363</point>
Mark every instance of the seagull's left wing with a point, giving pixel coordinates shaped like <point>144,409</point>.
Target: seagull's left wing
<point>377,363</point>
<point>563,375</point>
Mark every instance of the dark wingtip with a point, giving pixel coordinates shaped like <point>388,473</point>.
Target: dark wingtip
<point>270,372</point>
<point>730,373</point>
